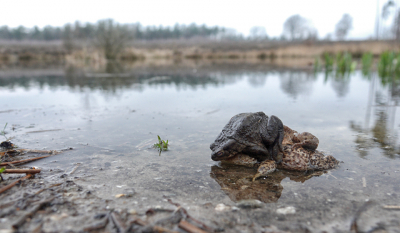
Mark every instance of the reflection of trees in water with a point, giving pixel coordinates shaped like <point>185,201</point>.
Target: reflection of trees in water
<point>257,79</point>
<point>236,182</point>
<point>113,80</point>
<point>341,85</point>
<point>28,82</point>
<point>296,83</point>
<point>383,101</point>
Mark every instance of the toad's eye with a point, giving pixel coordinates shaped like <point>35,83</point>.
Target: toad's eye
<point>220,153</point>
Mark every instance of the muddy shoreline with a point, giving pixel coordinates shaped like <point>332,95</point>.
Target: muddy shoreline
<point>177,51</point>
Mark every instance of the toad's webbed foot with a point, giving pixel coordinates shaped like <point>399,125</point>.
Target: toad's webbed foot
<point>265,168</point>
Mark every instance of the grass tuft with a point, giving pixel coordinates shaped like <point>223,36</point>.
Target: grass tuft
<point>161,145</point>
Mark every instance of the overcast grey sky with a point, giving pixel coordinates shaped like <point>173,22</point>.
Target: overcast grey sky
<point>240,15</point>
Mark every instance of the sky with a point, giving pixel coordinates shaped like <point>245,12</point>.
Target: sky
<point>240,15</point>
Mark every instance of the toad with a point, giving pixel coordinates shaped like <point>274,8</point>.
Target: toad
<point>253,134</point>
<point>251,139</point>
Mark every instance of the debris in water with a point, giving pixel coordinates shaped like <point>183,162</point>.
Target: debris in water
<point>392,207</point>
<point>7,145</point>
<point>249,204</point>
<point>222,207</point>
<point>286,210</point>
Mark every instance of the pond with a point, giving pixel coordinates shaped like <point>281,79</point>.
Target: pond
<point>112,120</point>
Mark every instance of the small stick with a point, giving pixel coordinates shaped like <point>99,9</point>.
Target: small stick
<point>38,151</point>
<point>364,182</point>
<point>28,171</point>
<point>31,212</point>
<point>118,222</point>
<point>76,167</point>
<point>12,151</point>
<point>354,225</point>
<point>7,204</point>
<point>23,161</point>
<point>38,229</point>
<point>138,221</point>
<point>98,226</point>
<point>189,227</point>
<point>53,185</point>
<point>191,218</point>
<point>392,207</point>
<point>162,229</point>
<point>8,152</point>
<point>14,183</point>
<point>41,131</point>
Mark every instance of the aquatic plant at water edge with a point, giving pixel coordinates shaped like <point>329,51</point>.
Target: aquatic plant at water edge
<point>3,132</point>
<point>389,67</point>
<point>161,145</point>
<point>2,169</point>
<point>344,63</point>
<point>317,64</point>
<point>366,62</point>
<point>329,60</point>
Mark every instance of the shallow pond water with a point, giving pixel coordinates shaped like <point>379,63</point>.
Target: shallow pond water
<point>112,120</point>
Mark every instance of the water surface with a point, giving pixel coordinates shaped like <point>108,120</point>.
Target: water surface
<point>111,121</point>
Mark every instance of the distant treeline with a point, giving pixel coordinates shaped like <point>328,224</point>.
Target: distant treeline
<point>89,31</point>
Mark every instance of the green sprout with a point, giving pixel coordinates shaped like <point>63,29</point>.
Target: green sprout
<point>1,171</point>
<point>3,132</point>
<point>366,62</point>
<point>317,65</point>
<point>329,60</point>
<point>344,64</point>
<point>161,145</point>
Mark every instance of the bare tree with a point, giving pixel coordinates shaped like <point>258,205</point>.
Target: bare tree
<point>396,26</point>
<point>111,37</point>
<point>295,27</point>
<point>328,37</point>
<point>258,33</point>
<point>312,34</point>
<point>343,27</point>
<point>67,37</point>
<point>387,9</point>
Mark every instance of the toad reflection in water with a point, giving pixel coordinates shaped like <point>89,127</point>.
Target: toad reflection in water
<point>236,182</point>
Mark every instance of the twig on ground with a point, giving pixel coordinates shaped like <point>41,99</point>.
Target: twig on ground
<point>30,213</point>
<point>138,221</point>
<point>5,205</point>
<point>53,185</point>
<point>153,211</point>
<point>27,171</point>
<point>19,151</point>
<point>185,225</point>
<point>53,152</point>
<point>41,131</point>
<point>76,167</point>
<point>392,207</point>
<point>191,218</point>
<point>14,183</point>
<point>162,229</point>
<point>8,152</point>
<point>98,226</point>
<point>118,222</point>
<point>354,225</point>
<point>38,229</point>
<point>23,161</point>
